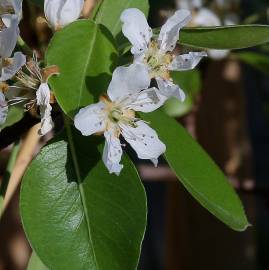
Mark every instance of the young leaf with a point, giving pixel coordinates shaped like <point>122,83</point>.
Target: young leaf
<point>77,215</point>
<point>198,173</point>
<point>86,56</point>
<point>35,263</point>
<point>109,15</point>
<point>225,37</point>
<point>15,114</point>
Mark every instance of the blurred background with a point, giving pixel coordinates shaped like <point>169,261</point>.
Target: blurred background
<point>226,110</point>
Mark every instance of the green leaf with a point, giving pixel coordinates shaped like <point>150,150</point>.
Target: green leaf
<point>257,60</point>
<point>86,55</point>
<point>35,263</point>
<point>109,15</point>
<point>225,37</point>
<point>77,215</point>
<point>175,108</point>
<point>190,82</point>
<point>15,114</point>
<point>198,173</point>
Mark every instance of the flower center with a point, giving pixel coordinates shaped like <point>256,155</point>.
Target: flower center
<point>158,61</point>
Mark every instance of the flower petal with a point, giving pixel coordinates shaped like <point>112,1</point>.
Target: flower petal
<point>70,11</point>
<point>128,80</point>
<point>43,101</point>
<point>205,17</point>
<point>169,34</point>
<point>16,63</point>
<point>91,119</point>
<point>3,109</point>
<point>218,54</point>
<point>187,61</point>
<point>9,35</point>
<point>112,153</point>
<point>144,140</point>
<point>147,101</point>
<point>136,29</point>
<point>52,11</point>
<point>169,89</point>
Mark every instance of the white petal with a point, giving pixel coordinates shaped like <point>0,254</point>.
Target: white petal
<point>43,101</point>
<point>218,54</point>
<point>91,119</point>
<point>112,153</point>
<point>17,5</point>
<point>169,34</point>
<point>187,61</point>
<point>9,35</point>
<point>136,29</point>
<point>144,140</point>
<point>3,109</point>
<point>206,17</point>
<point>16,63</point>
<point>189,4</point>
<point>52,10</point>
<point>147,101</point>
<point>128,80</point>
<point>169,89</point>
<point>70,11</point>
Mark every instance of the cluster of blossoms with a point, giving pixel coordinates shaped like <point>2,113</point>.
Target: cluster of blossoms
<point>30,88</point>
<point>130,90</point>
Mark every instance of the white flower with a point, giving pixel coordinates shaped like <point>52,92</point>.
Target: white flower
<point>32,89</point>
<point>59,13</point>
<point>10,66</point>
<point>9,32</point>
<point>11,7</point>
<point>156,54</point>
<point>3,108</point>
<point>115,115</point>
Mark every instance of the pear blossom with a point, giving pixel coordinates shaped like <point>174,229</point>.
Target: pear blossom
<point>157,54</point>
<point>11,7</point>
<point>114,115</point>
<point>59,13</point>
<point>32,90</point>
<point>3,108</point>
<point>10,66</point>
<point>9,32</point>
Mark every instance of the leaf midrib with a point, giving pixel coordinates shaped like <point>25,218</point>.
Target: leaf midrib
<point>80,185</point>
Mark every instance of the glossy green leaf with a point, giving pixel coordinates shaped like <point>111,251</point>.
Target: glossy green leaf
<point>35,263</point>
<point>86,55</point>
<point>198,173</point>
<point>15,114</point>
<point>109,14</point>
<point>78,216</point>
<point>257,60</point>
<point>225,37</point>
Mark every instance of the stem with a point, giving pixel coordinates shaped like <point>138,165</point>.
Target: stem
<point>10,166</point>
<point>24,47</point>
<point>9,169</point>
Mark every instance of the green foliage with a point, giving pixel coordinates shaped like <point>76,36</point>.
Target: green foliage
<point>110,16</point>
<point>198,173</point>
<point>257,60</point>
<point>39,3</point>
<point>15,114</point>
<point>225,37</point>
<point>78,216</point>
<point>35,263</point>
<point>190,82</point>
<point>86,55</point>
